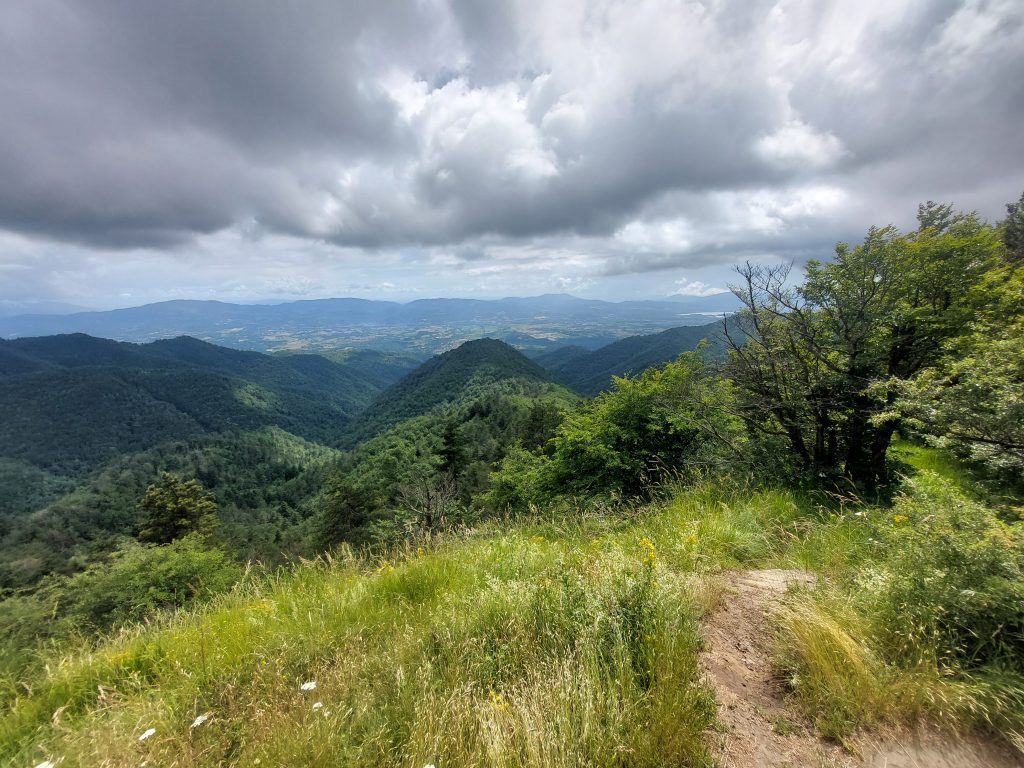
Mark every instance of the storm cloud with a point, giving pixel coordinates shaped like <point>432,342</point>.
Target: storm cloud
<point>574,140</point>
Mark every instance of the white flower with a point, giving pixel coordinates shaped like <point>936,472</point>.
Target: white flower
<point>46,764</point>
<point>201,719</point>
<point>309,685</point>
<point>317,706</point>
<point>147,733</point>
<point>429,765</point>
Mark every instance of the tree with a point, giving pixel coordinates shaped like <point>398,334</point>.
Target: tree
<point>671,419</point>
<point>1013,231</point>
<point>174,508</point>
<point>973,400</point>
<point>819,363</point>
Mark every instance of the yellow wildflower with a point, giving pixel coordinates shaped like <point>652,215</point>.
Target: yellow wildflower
<point>650,555</point>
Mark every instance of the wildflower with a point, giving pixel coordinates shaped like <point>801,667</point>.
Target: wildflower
<point>650,555</point>
<point>318,705</point>
<point>309,685</point>
<point>900,519</point>
<point>201,719</point>
<point>498,701</point>
<point>429,765</point>
<point>147,733</point>
<point>46,764</point>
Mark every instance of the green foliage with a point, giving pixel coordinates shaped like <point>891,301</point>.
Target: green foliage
<point>952,582</point>
<point>922,616</point>
<point>133,584</point>
<point>139,581</point>
<point>820,364</point>
<point>594,372</point>
<point>666,421</point>
<point>173,508</point>
<point>462,372</point>
<point>972,401</point>
<point>423,474</point>
<point>1013,231</point>
<point>264,484</point>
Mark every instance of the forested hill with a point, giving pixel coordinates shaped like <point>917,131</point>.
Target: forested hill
<point>74,402</point>
<point>591,372</point>
<point>444,379</point>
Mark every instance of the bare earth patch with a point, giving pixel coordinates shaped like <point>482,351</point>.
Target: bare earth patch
<point>760,730</point>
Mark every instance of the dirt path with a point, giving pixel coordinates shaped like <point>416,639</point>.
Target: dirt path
<point>761,731</point>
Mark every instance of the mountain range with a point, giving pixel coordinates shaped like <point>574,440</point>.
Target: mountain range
<point>419,328</point>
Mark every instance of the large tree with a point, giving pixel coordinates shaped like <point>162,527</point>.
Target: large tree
<point>173,508</point>
<point>819,363</point>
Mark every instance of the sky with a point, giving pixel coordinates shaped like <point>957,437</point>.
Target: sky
<point>616,149</point>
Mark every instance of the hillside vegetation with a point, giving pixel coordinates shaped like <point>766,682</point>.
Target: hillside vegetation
<point>552,643</point>
<point>589,372</point>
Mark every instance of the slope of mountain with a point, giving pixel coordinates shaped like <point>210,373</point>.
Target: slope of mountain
<point>71,404</point>
<point>445,379</point>
<point>554,360</point>
<point>591,372</point>
<point>422,327</point>
<point>262,480</point>
<point>85,400</point>
<point>382,369</point>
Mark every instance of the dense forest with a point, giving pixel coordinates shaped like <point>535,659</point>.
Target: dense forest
<point>863,420</point>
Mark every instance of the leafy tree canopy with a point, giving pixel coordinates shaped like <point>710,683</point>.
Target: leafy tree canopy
<point>174,508</point>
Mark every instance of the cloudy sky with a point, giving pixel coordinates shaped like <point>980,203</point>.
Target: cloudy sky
<point>263,150</point>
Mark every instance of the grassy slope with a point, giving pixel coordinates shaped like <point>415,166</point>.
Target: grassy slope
<point>565,643</point>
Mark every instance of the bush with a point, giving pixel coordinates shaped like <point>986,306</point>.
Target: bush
<point>138,581</point>
<point>668,421</point>
<point>953,582</point>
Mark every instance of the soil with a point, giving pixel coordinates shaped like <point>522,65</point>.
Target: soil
<point>761,730</point>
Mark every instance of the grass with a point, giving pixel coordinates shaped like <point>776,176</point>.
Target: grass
<point>571,641</point>
<point>519,648</point>
<point>918,618</point>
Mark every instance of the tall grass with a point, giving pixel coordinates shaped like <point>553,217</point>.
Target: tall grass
<point>515,650</point>
<point>923,616</point>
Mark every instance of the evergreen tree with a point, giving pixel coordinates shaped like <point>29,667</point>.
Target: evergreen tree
<point>174,508</point>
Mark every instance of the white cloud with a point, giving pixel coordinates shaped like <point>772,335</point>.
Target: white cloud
<point>686,287</point>
<point>798,145</point>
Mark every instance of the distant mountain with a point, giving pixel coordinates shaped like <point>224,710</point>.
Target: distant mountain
<point>421,327</point>
<point>72,403</point>
<point>591,372</point>
<point>445,379</point>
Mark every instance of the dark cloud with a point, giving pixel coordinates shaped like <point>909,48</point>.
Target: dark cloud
<point>618,136</point>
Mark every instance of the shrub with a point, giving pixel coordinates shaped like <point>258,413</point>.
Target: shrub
<point>139,580</point>
<point>953,581</point>
<point>668,421</point>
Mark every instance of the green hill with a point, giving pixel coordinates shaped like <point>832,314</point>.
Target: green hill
<point>445,379</point>
<point>73,403</point>
<point>591,372</point>
<point>88,423</point>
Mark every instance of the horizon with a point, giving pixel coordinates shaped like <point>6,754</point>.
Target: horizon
<point>275,303</point>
